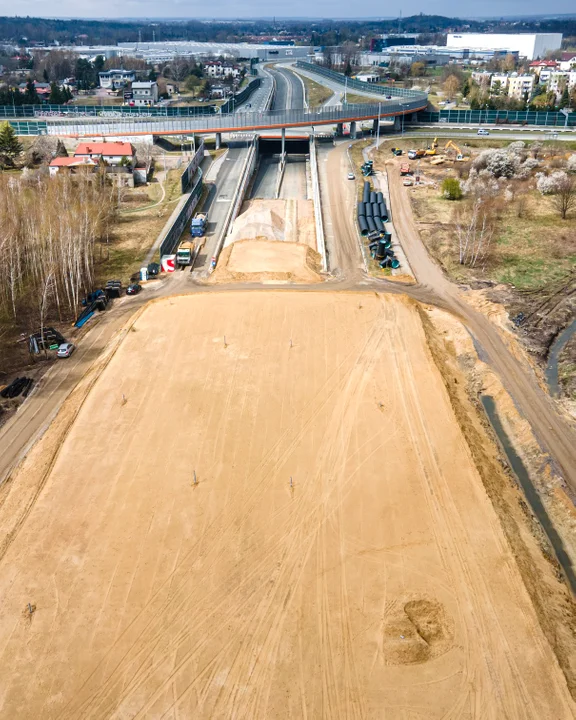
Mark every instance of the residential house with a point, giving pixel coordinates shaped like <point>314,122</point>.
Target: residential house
<point>520,86</point>
<point>499,83</point>
<point>114,79</point>
<point>43,90</point>
<point>481,77</point>
<point>219,69</point>
<point>368,77</point>
<point>567,61</point>
<point>559,80</point>
<point>144,93</point>
<point>217,92</point>
<point>543,69</point>
<point>113,153</point>
<point>71,164</point>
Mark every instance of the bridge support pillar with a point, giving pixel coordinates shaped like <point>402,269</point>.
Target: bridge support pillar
<point>353,130</point>
<point>218,141</point>
<point>375,126</point>
<point>283,141</point>
<point>340,129</point>
<point>397,123</point>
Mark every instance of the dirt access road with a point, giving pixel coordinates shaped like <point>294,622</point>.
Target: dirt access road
<point>378,585</point>
<point>553,430</point>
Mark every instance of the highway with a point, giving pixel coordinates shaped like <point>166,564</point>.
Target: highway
<point>289,93</point>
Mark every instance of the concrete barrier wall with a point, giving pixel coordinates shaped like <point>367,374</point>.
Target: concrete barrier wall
<point>319,224</point>
<point>188,174</point>
<point>180,217</point>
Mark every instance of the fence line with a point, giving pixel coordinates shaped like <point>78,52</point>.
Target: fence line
<point>495,117</point>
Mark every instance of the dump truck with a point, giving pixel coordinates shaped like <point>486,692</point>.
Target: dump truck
<point>185,253</point>
<point>405,169</point>
<point>199,225</point>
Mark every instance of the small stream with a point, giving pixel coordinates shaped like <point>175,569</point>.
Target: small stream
<point>559,344</point>
<point>530,491</point>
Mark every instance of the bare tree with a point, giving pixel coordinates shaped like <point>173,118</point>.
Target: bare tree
<point>475,230</point>
<point>564,198</point>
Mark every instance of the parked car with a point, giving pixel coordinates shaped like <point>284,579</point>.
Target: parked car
<point>351,176</point>
<point>388,97</point>
<point>483,131</point>
<point>153,269</point>
<point>133,289</point>
<point>65,350</point>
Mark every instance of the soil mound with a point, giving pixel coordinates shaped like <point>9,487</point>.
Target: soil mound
<point>267,261</point>
<point>417,631</point>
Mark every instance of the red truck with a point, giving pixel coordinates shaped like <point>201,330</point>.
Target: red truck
<point>404,169</point>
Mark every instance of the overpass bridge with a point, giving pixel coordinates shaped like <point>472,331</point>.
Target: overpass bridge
<point>395,102</point>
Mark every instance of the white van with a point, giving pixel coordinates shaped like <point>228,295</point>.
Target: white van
<point>482,131</point>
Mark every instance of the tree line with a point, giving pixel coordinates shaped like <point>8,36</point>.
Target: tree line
<point>49,228</point>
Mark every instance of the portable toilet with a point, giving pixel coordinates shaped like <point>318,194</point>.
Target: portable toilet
<point>144,273</point>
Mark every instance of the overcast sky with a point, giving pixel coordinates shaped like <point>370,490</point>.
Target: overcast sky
<point>255,8</point>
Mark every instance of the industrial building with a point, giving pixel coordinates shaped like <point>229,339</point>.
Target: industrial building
<point>529,46</point>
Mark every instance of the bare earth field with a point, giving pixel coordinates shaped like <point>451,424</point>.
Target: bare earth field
<point>379,585</point>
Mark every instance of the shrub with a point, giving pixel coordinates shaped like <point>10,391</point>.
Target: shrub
<point>451,189</point>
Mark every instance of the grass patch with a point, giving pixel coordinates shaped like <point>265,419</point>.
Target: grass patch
<point>353,99</point>
<point>316,94</point>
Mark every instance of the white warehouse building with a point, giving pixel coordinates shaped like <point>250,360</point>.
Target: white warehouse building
<point>530,46</point>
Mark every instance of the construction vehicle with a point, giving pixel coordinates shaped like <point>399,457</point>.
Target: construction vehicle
<point>185,253</point>
<point>432,149</point>
<point>404,169</point>
<point>396,151</point>
<point>459,156</point>
<point>415,154</point>
<point>367,168</point>
<point>199,224</point>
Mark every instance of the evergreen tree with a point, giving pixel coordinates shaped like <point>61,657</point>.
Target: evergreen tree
<point>565,98</point>
<point>45,75</point>
<point>30,94</point>
<point>55,95</point>
<point>10,147</point>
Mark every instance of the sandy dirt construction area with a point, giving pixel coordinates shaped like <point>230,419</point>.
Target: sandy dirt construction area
<point>377,584</point>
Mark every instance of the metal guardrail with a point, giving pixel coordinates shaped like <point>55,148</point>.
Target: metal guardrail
<point>408,93</point>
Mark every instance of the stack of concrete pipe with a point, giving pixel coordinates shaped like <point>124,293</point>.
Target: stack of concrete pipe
<point>372,211</point>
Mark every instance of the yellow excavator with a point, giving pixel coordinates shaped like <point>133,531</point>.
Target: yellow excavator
<point>432,150</point>
<point>459,156</point>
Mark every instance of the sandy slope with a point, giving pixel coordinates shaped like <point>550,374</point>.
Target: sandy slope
<point>378,586</point>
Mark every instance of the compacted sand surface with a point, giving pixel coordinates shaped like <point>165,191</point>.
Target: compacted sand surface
<point>337,557</point>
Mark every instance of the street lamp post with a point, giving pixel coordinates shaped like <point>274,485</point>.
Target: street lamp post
<point>378,128</point>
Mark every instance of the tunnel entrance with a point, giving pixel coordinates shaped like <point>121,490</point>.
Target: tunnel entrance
<point>293,146</point>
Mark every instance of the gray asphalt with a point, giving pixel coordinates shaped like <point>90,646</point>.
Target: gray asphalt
<point>264,185</point>
<point>220,198</point>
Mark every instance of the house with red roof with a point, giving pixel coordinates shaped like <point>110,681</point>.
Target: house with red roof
<point>112,153</point>
<point>71,164</point>
<point>543,69</point>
